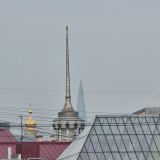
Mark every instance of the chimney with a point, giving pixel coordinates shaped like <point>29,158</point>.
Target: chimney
<point>9,152</point>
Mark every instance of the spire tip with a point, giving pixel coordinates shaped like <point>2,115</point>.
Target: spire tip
<point>67,28</point>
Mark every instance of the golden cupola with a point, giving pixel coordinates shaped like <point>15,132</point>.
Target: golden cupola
<point>30,123</point>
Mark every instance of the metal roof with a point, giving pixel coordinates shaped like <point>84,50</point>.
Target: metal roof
<point>51,151</point>
<point>44,150</point>
<point>117,137</point>
<point>151,110</point>
<point>6,136</point>
<point>4,149</point>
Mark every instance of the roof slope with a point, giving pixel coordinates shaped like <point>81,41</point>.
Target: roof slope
<point>75,147</point>
<point>52,150</point>
<point>6,136</point>
<point>119,137</point>
<point>44,150</point>
<point>4,149</point>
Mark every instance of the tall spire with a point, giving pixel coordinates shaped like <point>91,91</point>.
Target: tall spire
<point>68,94</point>
<point>68,110</point>
<point>68,105</point>
<point>68,122</point>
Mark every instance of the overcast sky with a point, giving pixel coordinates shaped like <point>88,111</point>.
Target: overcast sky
<point>114,48</point>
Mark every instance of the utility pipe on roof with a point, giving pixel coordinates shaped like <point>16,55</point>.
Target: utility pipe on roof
<point>9,152</point>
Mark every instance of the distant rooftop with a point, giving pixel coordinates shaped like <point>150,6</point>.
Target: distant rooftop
<point>6,136</point>
<point>43,150</point>
<point>149,110</point>
<point>5,125</point>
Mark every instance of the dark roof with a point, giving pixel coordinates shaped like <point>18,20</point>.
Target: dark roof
<point>51,151</point>
<point>4,149</point>
<point>5,125</point>
<point>6,136</point>
<point>45,150</point>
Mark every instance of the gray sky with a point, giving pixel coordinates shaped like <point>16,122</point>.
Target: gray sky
<point>114,49</point>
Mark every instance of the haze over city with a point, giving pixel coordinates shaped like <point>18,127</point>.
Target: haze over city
<point>114,48</point>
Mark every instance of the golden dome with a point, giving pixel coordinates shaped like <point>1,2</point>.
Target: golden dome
<point>30,123</point>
